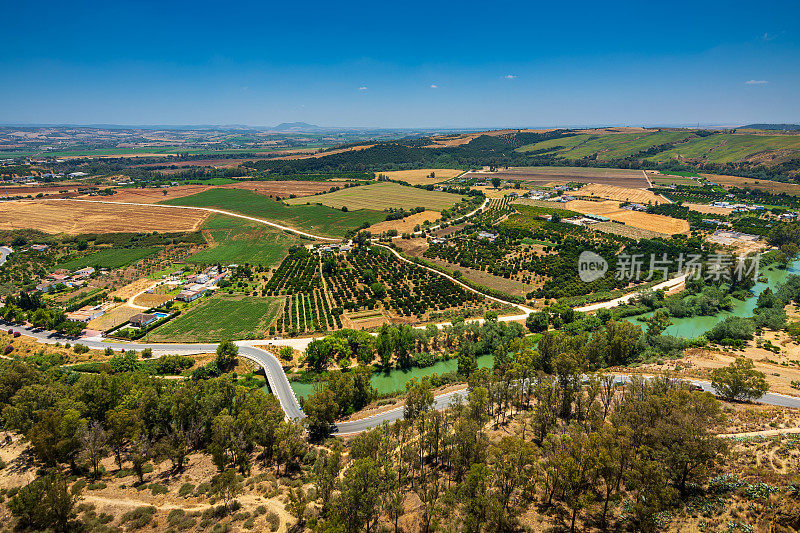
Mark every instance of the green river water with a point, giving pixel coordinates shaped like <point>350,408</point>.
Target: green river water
<point>395,380</point>
<point>695,326</point>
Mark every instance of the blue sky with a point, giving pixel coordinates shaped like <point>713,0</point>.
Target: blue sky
<point>401,64</point>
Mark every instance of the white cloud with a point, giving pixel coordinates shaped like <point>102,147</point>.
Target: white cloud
<point>434,86</point>
<point>756,82</point>
<point>510,76</point>
<point>768,36</point>
<point>362,88</point>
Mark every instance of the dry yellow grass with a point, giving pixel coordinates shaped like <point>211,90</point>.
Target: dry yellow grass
<point>752,183</point>
<point>621,194</point>
<point>114,317</point>
<point>152,300</point>
<point>658,223</point>
<point>74,217</point>
<point>405,225</point>
<point>589,207</point>
<point>420,176</point>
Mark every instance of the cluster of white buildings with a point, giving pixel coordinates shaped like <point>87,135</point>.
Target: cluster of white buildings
<point>738,207</point>
<point>331,248</point>
<point>197,285</point>
<point>62,276</point>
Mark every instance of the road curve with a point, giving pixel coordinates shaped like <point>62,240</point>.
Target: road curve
<point>276,377</point>
<point>279,383</point>
<point>210,210</point>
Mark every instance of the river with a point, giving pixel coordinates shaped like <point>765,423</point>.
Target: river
<point>689,327</point>
<point>694,326</point>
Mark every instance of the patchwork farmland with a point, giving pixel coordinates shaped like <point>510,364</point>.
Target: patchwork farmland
<point>383,195</point>
<point>319,218</point>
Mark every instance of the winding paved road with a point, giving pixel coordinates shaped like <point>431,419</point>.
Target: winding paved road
<point>279,383</point>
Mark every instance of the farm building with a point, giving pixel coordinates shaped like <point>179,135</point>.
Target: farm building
<point>190,296</point>
<point>85,314</point>
<point>142,319</point>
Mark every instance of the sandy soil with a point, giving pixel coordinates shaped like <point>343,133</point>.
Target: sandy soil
<point>15,453</point>
<point>74,218</point>
<point>152,195</point>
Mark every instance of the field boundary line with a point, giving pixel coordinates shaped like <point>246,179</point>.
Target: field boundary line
<point>208,209</point>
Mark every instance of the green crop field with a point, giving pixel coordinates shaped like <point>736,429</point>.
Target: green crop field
<point>218,318</point>
<point>613,146</point>
<point>730,148</point>
<point>240,241</point>
<point>382,195</point>
<point>110,258</point>
<point>317,219</point>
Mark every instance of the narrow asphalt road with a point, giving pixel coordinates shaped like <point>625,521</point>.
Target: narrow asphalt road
<point>279,383</point>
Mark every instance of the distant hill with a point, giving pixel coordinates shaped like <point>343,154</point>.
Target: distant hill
<point>298,127</point>
<point>781,127</point>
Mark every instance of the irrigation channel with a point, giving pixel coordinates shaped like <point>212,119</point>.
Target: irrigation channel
<point>395,380</point>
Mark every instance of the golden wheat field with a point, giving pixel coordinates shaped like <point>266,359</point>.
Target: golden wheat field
<point>621,194</point>
<point>74,217</point>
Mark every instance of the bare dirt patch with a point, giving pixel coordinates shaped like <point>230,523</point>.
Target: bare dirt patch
<point>73,218</point>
